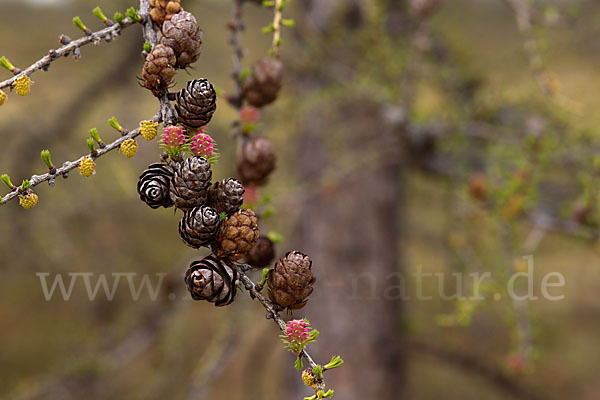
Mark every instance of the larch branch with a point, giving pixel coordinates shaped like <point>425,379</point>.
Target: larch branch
<point>167,112</point>
<point>70,165</point>
<point>271,312</point>
<point>107,33</point>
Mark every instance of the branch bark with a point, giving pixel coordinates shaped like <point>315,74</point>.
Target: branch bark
<point>70,165</point>
<point>167,112</point>
<point>271,312</point>
<point>107,33</point>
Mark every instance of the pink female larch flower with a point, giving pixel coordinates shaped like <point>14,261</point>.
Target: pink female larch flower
<point>249,118</point>
<point>297,331</point>
<point>249,115</point>
<point>202,144</point>
<point>173,141</point>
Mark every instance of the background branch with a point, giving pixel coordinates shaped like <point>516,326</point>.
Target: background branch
<point>474,365</point>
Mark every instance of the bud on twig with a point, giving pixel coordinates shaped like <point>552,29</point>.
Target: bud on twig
<point>6,180</point>
<point>265,273</point>
<point>48,161</point>
<point>64,39</point>
<point>115,124</point>
<point>98,13</point>
<point>79,24</point>
<point>118,17</point>
<point>336,361</point>
<point>147,47</point>
<point>91,145</point>
<point>8,65</point>
<point>25,185</point>
<point>2,97</point>
<point>132,14</point>
<point>94,135</point>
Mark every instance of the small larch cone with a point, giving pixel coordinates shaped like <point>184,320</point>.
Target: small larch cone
<point>196,103</point>
<point>226,196</point>
<point>262,254</point>
<point>159,69</point>
<point>291,281</point>
<point>190,182</point>
<point>262,86</point>
<point>199,226</point>
<point>255,160</point>
<point>237,236</point>
<point>161,10</point>
<point>154,184</point>
<point>212,280</point>
<point>183,35</point>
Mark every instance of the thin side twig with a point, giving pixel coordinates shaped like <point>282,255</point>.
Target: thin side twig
<point>55,54</point>
<point>277,17</point>
<point>236,26</point>
<point>271,312</point>
<point>70,165</point>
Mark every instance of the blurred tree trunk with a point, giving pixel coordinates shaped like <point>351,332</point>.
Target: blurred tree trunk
<point>351,229</point>
<point>352,233</point>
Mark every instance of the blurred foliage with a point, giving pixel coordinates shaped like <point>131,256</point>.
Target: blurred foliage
<point>461,78</point>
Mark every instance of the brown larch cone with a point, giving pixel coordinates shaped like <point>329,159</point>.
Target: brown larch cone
<point>237,236</point>
<point>196,103</point>
<point>212,280</point>
<point>161,10</point>
<point>226,196</point>
<point>262,85</point>
<point>190,182</point>
<point>255,160</point>
<point>183,35</point>
<point>291,281</point>
<point>159,69</point>
<point>199,226</point>
<point>262,254</point>
<point>154,184</point>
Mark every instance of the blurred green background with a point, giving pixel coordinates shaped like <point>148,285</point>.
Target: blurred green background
<point>384,118</point>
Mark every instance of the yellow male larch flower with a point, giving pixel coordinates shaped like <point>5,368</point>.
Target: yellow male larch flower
<point>87,167</point>
<point>129,148</point>
<point>22,84</point>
